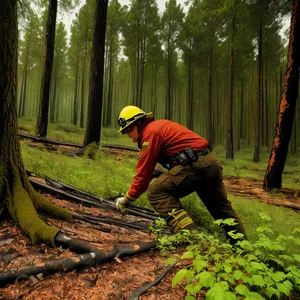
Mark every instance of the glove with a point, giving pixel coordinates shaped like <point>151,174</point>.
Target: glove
<point>121,202</point>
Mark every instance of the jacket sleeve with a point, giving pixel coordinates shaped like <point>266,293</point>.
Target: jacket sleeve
<point>152,145</point>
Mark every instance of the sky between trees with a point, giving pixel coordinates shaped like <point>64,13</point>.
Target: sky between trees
<point>161,6</point>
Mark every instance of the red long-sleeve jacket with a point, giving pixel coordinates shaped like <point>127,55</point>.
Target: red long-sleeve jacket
<point>159,141</point>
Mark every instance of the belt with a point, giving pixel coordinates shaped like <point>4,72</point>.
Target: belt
<point>202,152</point>
<point>184,158</point>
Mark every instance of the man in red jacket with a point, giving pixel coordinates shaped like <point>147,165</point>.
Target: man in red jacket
<point>191,168</point>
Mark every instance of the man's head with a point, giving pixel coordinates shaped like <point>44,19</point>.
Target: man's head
<point>130,119</point>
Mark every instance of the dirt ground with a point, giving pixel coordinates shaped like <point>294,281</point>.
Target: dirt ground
<point>114,280</point>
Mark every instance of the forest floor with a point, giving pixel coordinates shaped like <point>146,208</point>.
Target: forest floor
<point>114,280</point>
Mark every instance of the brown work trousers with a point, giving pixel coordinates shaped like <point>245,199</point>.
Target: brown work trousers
<point>203,177</point>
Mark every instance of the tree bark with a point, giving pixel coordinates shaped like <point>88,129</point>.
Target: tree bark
<point>287,107</point>
<point>93,129</point>
<point>17,196</point>
<point>42,121</point>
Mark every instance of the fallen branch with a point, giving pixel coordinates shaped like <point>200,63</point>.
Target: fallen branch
<point>121,147</point>
<point>104,204</point>
<point>138,292</point>
<point>5,242</point>
<point>98,220</point>
<point>111,201</point>
<point>76,245</point>
<point>46,141</point>
<point>8,256</point>
<point>97,257</point>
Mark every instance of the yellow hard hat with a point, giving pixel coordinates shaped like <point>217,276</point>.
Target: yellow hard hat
<point>130,114</point>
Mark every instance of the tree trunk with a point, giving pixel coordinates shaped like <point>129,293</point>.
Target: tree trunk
<point>24,93</point>
<point>168,112</point>
<point>21,94</point>
<point>53,107</point>
<point>137,77</point>
<point>75,105</point>
<point>142,72</point>
<point>242,110</point>
<point>93,129</point>
<point>284,124</point>
<point>229,143</point>
<point>266,108</point>
<point>110,85</point>
<point>209,105</point>
<point>42,121</point>
<point>83,83</point>
<point>258,99</point>
<point>190,98</point>
<point>17,196</point>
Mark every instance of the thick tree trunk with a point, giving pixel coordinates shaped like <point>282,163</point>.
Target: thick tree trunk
<point>42,121</point>
<point>17,196</point>
<point>93,129</point>
<point>273,176</point>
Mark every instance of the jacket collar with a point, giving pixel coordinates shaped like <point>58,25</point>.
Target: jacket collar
<point>145,123</point>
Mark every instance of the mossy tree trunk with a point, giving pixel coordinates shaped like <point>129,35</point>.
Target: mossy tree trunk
<point>17,196</point>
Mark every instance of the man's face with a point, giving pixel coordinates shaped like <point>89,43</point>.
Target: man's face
<point>132,132</point>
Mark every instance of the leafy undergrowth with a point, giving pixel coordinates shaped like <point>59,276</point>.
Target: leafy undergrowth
<point>258,269</point>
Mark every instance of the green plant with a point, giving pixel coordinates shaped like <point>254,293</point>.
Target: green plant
<point>249,270</point>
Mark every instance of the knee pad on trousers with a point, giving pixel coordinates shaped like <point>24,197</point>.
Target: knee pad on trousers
<point>179,219</point>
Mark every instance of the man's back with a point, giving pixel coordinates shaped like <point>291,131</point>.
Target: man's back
<point>175,136</point>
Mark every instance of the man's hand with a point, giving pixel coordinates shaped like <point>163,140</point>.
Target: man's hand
<point>121,203</point>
